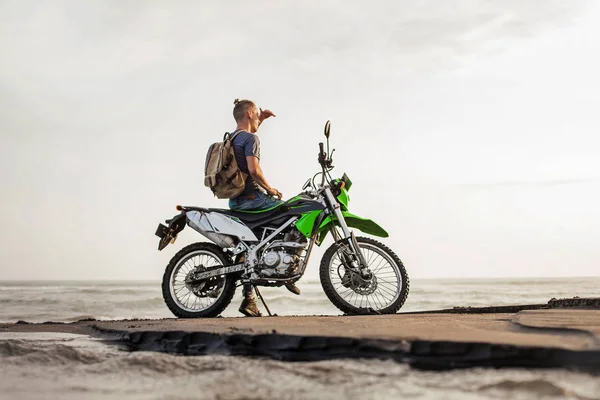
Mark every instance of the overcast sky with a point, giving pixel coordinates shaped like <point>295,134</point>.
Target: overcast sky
<point>469,128</point>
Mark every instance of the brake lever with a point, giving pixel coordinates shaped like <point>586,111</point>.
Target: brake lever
<point>330,159</point>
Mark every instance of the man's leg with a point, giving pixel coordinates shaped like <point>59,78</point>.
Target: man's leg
<point>247,202</point>
<point>268,202</point>
<point>260,201</point>
<point>248,306</point>
<point>255,202</point>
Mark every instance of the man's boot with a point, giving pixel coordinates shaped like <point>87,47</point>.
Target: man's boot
<point>292,288</point>
<point>248,306</point>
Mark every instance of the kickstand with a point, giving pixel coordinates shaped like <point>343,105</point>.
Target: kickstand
<point>262,300</point>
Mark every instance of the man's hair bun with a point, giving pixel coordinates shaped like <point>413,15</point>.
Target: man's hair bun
<point>240,108</point>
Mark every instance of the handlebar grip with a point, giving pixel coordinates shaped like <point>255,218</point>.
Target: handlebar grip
<point>321,150</point>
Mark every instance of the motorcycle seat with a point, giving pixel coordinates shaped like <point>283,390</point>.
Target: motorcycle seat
<point>250,216</point>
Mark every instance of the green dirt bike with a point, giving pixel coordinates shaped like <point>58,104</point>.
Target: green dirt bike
<point>272,247</point>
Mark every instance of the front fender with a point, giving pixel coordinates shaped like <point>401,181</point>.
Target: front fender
<point>354,221</point>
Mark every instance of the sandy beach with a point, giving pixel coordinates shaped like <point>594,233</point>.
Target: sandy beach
<point>549,350</point>
<point>567,335</point>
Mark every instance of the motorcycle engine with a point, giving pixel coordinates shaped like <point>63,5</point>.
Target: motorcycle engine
<point>281,259</point>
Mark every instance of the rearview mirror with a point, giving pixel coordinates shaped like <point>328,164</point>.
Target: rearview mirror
<point>327,129</point>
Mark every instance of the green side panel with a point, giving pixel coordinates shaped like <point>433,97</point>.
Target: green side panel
<point>306,223</point>
<point>344,198</point>
<point>354,221</point>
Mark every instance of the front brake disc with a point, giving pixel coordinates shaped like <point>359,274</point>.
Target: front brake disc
<point>362,286</point>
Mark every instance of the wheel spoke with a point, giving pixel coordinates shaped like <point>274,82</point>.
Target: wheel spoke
<point>385,290</point>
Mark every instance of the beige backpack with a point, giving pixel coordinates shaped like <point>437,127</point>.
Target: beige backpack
<point>221,172</point>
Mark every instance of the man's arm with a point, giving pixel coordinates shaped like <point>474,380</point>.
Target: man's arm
<point>264,114</point>
<point>257,173</point>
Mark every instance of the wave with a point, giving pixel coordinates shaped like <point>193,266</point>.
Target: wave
<point>143,303</point>
<point>24,352</point>
<point>40,301</point>
<point>95,361</point>
<point>82,290</point>
<point>84,317</point>
<point>105,291</point>
<point>537,387</point>
<point>102,370</point>
<point>98,359</point>
<point>163,364</point>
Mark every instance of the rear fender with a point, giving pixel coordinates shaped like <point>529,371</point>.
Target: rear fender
<point>222,226</point>
<point>168,234</point>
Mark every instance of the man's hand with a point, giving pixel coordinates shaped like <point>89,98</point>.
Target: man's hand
<point>264,114</point>
<point>274,193</point>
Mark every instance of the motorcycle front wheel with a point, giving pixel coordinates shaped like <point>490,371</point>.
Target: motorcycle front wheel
<point>204,299</point>
<point>384,293</point>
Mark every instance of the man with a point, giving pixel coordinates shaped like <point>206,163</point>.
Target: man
<point>246,146</point>
<point>257,194</point>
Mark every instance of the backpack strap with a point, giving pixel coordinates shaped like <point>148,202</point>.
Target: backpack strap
<point>231,137</point>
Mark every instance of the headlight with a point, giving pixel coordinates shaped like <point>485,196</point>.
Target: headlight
<point>347,181</point>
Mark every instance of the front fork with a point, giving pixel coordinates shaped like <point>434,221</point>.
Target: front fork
<point>348,236</point>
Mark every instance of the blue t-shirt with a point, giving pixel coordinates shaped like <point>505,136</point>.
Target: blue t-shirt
<point>246,144</point>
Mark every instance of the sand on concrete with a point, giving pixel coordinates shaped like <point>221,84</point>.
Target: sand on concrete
<point>571,329</point>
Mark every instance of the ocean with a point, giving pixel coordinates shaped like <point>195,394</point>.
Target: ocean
<point>66,301</point>
<point>52,365</point>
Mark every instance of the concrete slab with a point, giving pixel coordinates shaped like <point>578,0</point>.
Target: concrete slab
<point>536,337</point>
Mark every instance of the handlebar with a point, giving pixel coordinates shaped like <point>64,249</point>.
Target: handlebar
<point>322,155</point>
<point>324,159</point>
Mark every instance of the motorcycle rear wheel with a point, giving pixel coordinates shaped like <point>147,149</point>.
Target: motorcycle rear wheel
<point>384,295</point>
<point>181,299</point>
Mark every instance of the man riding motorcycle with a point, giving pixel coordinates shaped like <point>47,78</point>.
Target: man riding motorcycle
<point>272,247</point>
<point>246,145</point>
